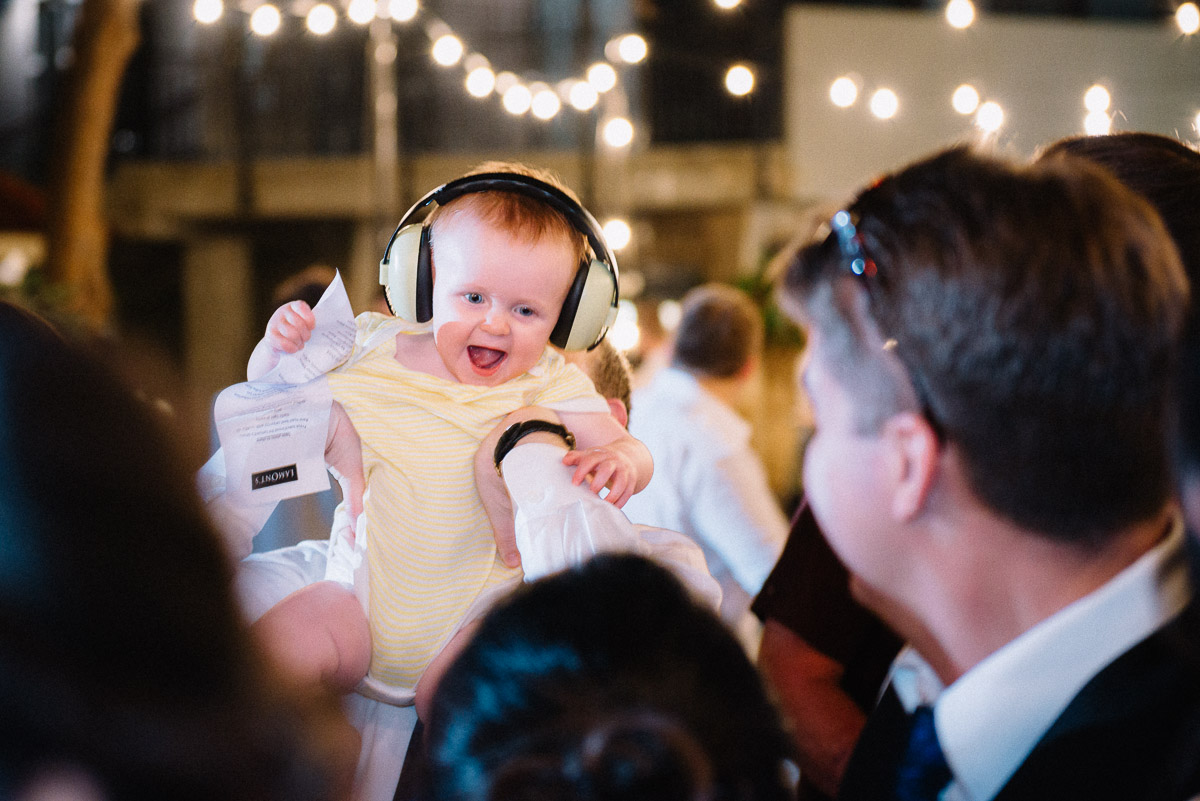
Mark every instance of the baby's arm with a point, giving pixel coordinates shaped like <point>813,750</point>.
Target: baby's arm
<point>608,454</point>
<point>289,328</point>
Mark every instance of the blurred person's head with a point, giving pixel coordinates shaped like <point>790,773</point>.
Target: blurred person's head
<point>720,332</point>
<point>1021,321</point>
<point>125,664</point>
<point>606,681</point>
<point>611,373</point>
<point>1167,173</point>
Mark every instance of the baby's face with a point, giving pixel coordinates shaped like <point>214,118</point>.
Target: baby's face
<point>495,299</point>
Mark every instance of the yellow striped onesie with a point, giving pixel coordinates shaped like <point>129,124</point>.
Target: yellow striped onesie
<point>430,550</point>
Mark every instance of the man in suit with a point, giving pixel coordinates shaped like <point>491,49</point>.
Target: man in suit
<point>990,352</point>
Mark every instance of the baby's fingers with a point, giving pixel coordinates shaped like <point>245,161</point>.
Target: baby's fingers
<point>619,491</point>
<point>601,476</point>
<point>291,326</point>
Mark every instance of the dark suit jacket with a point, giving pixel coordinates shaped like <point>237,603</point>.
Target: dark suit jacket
<point>1132,732</point>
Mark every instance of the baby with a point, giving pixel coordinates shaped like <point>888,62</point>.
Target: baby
<point>502,253</point>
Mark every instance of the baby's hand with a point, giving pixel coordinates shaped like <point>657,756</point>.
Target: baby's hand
<point>604,467</point>
<point>290,327</point>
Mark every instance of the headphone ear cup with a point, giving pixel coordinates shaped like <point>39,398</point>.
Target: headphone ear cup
<point>588,311</point>
<point>400,274</point>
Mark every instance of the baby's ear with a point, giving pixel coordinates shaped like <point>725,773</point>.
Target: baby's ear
<point>618,410</point>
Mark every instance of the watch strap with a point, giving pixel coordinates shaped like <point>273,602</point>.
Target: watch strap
<point>515,432</point>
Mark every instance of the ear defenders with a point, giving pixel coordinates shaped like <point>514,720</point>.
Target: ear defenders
<point>406,269</point>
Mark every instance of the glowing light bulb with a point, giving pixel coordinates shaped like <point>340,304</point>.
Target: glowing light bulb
<point>448,50</point>
<point>602,76</point>
<point>265,20</point>
<point>207,11</point>
<point>583,96</point>
<point>504,81</point>
<point>617,233</point>
<point>321,19</point>
<point>843,92</point>
<point>361,12</point>
<point>965,99</point>
<point>544,103</point>
<point>624,332</point>
<point>670,315</point>
<point>1097,99</point>
<point>631,48</point>
<point>517,99</point>
<point>739,80</point>
<point>481,81</point>
<point>727,5</point>
<point>1187,17</point>
<point>618,132</point>
<point>884,104</point>
<point>960,13</point>
<point>402,10</point>
<point>990,117</point>
<point>1097,123</point>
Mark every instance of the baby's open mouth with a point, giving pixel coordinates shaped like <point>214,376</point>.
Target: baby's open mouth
<point>485,358</point>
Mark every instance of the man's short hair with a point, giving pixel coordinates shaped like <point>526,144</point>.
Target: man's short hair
<point>1035,311</point>
<point>1166,172</point>
<point>526,218</point>
<point>719,331</point>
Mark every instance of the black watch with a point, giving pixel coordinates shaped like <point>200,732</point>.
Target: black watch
<point>513,434</point>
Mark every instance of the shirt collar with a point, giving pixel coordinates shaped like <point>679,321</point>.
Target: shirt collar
<point>990,719</point>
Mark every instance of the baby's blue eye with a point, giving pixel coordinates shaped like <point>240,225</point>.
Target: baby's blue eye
<point>524,311</point>
<point>474,297</point>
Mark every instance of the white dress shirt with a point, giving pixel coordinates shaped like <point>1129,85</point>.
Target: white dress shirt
<point>990,719</point>
<point>709,484</point>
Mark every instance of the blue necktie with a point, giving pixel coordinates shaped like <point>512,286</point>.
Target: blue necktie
<point>923,772</point>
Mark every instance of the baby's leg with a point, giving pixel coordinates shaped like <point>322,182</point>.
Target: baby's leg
<point>319,634</point>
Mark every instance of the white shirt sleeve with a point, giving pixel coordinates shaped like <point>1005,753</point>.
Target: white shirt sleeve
<point>559,524</point>
<point>237,523</point>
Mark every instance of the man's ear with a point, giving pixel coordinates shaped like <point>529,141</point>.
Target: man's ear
<point>618,410</point>
<point>916,451</point>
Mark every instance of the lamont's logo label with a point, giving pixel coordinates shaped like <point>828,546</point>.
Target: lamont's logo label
<point>269,478</point>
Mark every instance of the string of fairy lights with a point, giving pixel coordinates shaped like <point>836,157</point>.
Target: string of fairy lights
<point>517,94</point>
<point>545,101</point>
<point>884,103</point>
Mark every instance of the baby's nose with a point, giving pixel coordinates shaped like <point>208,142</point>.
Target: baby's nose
<point>496,321</point>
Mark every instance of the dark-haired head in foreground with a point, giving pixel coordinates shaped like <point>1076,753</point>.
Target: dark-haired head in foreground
<point>606,681</point>
<point>123,661</point>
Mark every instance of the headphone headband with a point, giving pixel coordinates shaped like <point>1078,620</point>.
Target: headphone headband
<point>580,218</point>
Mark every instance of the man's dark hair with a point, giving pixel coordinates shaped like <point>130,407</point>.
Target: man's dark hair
<point>1166,172</point>
<point>1035,311</point>
<point>720,331</point>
